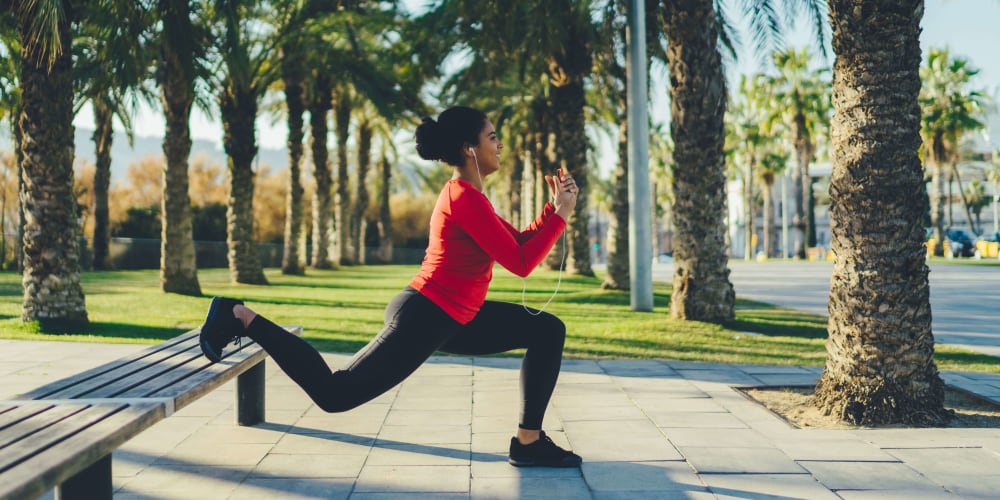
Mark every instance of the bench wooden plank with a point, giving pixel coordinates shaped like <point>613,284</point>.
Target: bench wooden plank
<point>59,388</point>
<point>12,414</point>
<point>30,428</point>
<point>72,445</point>
<point>187,390</point>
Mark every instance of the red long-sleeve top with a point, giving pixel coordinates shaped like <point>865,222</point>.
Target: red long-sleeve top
<point>466,238</point>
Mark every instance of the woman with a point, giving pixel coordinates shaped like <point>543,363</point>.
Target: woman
<point>444,307</point>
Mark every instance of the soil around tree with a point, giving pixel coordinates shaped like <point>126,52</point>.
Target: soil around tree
<point>795,406</point>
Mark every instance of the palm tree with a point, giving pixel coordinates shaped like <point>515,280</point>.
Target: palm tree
<point>293,75</point>
<point>949,110</point>
<point>245,51</point>
<point>803,97</point>
<point>322,231</point>
<point>106,40</point>
<point>342,108</point>
<point>181,48</point>
<point>880,351</point>
<point>52,293</point>
<point>701,287</point>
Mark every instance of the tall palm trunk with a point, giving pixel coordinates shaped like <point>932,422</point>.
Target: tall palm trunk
<point>701,287</point>
<point>175,76</point>
<point>238,106</point>
<point>571,141</point>
<point>767,193</point>
<point>748,208</point>
<point>880,352</point>
<point>322,234</point>
<point>516,183</point>
<point>618,277</point>
<point>567,71</point>
<point>293,256</point>
<point>361,191</point>
<point>385,214</point>
<point>52,293</point>
<point>937,196</point>
<point>342,199</point>
<point>801,184</point>
<point>103,137</point>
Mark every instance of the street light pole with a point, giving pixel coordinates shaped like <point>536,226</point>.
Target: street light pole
<point>639,220</point>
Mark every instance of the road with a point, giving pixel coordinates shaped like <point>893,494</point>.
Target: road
<point>965,300</point>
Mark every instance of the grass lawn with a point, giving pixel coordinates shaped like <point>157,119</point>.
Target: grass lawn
<point>342,309</point>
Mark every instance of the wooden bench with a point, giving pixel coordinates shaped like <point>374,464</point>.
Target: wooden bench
<point>64,432</point>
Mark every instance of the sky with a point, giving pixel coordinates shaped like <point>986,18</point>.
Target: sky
<point>967,27</point>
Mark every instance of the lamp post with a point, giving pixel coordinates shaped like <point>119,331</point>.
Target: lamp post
<point>639,221</point>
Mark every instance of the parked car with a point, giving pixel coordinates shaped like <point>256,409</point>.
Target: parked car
<point>960,243</point>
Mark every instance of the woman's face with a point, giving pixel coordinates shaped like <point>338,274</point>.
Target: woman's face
<point>487,153</point>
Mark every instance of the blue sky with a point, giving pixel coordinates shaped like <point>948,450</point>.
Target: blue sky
<point>967,27</point>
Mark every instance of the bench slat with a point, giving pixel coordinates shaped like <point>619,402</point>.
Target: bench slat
<point>31,428</point>
<point>12,414</point>
<point>106,427</point>
<point>56,390</point>
<point>189,389</point>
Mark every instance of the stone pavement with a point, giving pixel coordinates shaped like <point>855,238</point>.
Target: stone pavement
<point>645,429</point>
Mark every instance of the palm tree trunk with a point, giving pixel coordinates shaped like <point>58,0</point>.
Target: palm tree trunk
<point>322,234</point>
<point>385,213</point>
<point>103,137</point>
<point>239,110</point>
<point>965,200</point>
<point>51,280</point>
<point>618,277</point>
<point>937,198</point>
<point>701,287</point>
<point>801,184</point>
<point>178,266</point>
<point>361,191</point>
<point>880,351</point>
<point>516,183</point>
<point>342,199</point>
<point>567,71</point>
<point>748,210</point>
<point>767,191</point>
<point>293,256</point>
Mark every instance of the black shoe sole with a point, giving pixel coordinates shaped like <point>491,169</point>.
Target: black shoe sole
<point>206,348</point>
<point>533,463</point>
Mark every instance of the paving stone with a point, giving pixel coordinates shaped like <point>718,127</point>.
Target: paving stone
<point>278,465</point>
<point>971,461</point>
<point>717,438</point>
<point>679,405</point>
<point>496,466</point>
<point>636,368</point>
<point>869,476</point>
<point>415,454</point>
<point>324,443</point>
<point>897,494</point>
<point>619,440</point>
<point>786,380</point>
<point>609,412</point>
<point>766,486</point>
<point>653,495</point>
<point>425,434</point>
<point>641,476</point>
<point>264,488</point>
<point>528,487</point>
<point>184,481</point>
<point>740,460</point>
<point>802,446</point>
<point>425,479</point>
<point>697,420</point>
<point>428,417</point>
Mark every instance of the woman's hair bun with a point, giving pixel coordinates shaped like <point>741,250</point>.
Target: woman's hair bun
<point>428,138</point>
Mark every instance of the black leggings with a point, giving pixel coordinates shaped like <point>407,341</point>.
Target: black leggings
<point>414,329</point>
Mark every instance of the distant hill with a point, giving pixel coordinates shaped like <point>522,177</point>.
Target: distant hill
<point>123,155</point>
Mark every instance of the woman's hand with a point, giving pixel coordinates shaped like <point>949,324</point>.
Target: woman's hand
<point>564,192</point>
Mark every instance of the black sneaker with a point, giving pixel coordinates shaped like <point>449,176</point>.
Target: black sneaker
<point>541,453</point>
<point>221,327</point>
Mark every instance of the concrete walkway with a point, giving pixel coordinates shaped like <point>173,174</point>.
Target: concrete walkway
<point>645,429</point>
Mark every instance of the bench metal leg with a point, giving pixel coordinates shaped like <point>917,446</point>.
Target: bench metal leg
<point>92,483</point>
<point>250,396</point>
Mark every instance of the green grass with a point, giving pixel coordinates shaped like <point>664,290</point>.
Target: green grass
<point>341,310</point>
